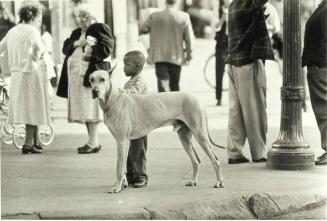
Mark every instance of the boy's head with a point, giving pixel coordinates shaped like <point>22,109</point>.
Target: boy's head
<point>133,63</point>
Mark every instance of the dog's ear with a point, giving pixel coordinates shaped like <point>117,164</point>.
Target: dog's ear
<point>113,65</point>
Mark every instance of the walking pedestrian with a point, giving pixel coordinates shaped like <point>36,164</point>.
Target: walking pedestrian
<point>7,20</point>
<point>47,41</point>
<point>315,58</point>
<point>221,49</point>
<point>169,30</point>
<point>87,49</point>
<point>136,159</point>
<point>274,27</point>
<point>29,102</point>
<point>248,46</point>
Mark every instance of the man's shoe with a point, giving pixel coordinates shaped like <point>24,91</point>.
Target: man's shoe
<point>322,160</point>
<point>260,160</point>
<point>140,184</point>
<point>219,102</point>
<point>236,161</point>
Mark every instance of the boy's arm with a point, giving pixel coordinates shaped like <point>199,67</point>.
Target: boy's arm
<point>137,88</point>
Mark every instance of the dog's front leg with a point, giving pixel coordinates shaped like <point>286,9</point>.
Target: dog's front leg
<point>122,152</point>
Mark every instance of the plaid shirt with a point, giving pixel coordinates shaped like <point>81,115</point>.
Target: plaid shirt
<point>135,85</point>
<point>248,38</point>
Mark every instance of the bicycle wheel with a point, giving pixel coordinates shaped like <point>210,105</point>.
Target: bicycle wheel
<point>46,134</point>
<point>18,136</point>
<point>209,71</point>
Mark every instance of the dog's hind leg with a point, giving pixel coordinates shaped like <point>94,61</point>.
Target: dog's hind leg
<point>203,140</point>
<point>185,137</point>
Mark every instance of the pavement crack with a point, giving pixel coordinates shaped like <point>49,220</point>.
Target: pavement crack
<point>149,211</point>
<point>269,196</point>
<point>247,203</point>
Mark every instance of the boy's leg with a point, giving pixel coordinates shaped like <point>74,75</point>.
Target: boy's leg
<point>138,150</point>
<point>129,167</point>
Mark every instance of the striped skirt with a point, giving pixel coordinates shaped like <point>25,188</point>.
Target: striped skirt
<point>29,98</point>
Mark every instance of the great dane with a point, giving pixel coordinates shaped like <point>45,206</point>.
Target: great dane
<point>130,116</point>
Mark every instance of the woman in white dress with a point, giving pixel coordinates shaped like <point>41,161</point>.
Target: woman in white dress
<point>28,103</point>
<point>74,84</point>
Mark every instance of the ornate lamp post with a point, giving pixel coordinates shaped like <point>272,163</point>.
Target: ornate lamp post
<point>289,151</point>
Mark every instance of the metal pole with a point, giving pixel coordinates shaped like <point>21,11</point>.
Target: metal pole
<point>289,151</point>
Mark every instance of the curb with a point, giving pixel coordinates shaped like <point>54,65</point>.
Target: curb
<point>266,206</point>
<point>257,206</point>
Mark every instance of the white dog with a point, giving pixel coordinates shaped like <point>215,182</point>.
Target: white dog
<point>133,116</point>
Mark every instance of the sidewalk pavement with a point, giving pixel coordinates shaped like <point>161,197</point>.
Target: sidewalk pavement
<point>61,184</point>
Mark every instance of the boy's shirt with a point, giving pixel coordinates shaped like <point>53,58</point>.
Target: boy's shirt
<point>135,85</point>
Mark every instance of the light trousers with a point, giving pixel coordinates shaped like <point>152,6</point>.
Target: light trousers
<point>247,110</point>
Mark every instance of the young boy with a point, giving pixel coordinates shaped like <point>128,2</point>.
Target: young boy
<point>136,160</point>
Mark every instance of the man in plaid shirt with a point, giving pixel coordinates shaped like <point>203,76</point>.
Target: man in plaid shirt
<point>248,46</point>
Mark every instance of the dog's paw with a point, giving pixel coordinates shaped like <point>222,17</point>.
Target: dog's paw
<point>219,185</point>
<point>190,183</point>
<point>115,190</point>
<point>124,185</point>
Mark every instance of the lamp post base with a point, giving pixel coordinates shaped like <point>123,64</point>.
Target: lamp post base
<point>290,159</point>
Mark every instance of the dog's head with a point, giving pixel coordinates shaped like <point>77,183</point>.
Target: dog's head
<point>100,82</point>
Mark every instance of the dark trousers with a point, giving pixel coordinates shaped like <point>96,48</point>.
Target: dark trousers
<point>168,76</point>
<point>136,160</point>
<point>317,82</point>
<point>220,69</point>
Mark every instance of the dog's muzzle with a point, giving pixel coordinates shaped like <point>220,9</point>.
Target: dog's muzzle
<point>95,93</point>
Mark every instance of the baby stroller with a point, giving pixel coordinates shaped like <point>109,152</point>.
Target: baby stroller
<point>15,133</point>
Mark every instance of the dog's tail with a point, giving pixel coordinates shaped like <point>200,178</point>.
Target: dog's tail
<point>210,138</point>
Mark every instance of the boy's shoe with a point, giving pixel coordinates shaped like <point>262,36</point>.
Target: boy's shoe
<point>140,183</point>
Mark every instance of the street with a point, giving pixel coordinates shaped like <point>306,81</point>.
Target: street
<point>63,184</point>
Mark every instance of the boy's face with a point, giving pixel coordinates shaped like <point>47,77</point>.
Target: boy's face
<point>130,67</point>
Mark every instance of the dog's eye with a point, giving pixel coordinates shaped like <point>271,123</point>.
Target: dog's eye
<point>92,79</point>
<point>102,79</point>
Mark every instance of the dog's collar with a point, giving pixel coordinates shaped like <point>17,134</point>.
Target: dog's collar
<point>110,100</point>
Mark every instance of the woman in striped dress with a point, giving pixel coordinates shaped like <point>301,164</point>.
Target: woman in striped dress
<point>28,103</point>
